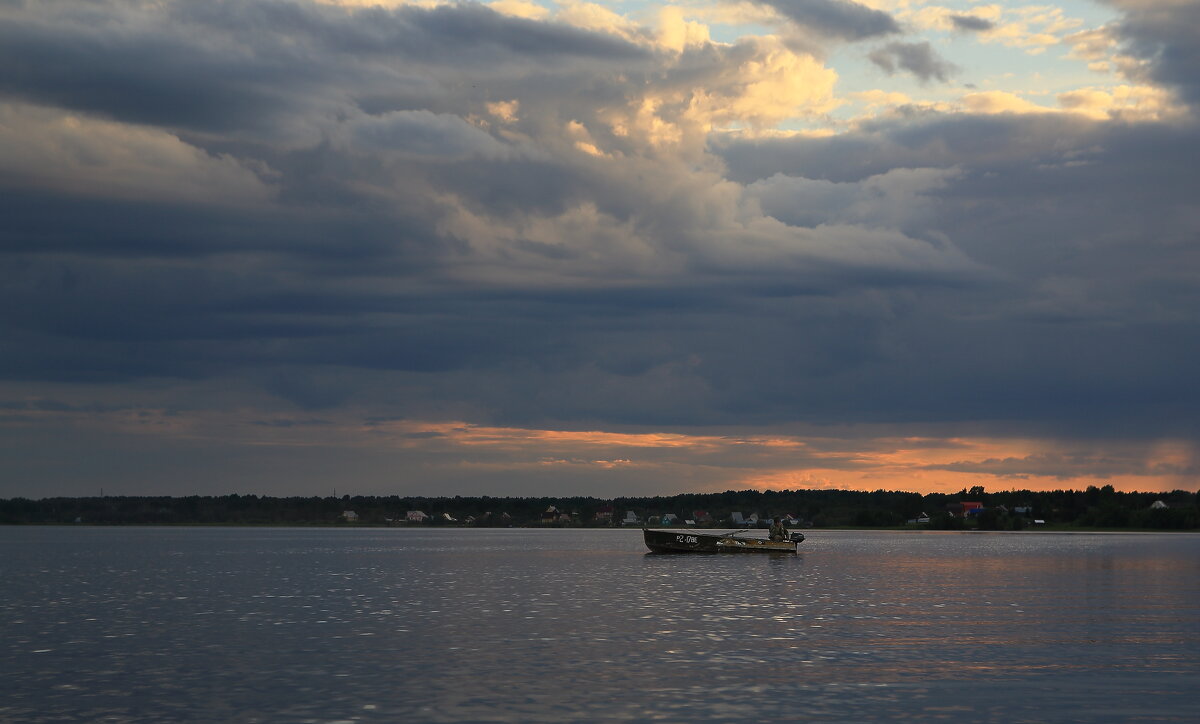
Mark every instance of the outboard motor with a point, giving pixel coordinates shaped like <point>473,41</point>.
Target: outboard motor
<point>797,537</point>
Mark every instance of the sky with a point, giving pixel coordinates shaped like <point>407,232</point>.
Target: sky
<point>307,247</point>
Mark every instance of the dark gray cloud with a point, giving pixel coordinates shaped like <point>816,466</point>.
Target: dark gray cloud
<point>233,65</point>
<point>1073,278</point>
<point>920,59</point>
<point>918,141</point>
<point>1167,36</point>
<point>837,18</point>
<point>271,208</point>
<point>971,23</point>
<point>426,134</point>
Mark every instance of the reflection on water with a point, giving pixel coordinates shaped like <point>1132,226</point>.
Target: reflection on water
<point>142,624</point>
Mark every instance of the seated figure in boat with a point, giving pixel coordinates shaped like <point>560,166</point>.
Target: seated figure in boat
<point>778,532</point>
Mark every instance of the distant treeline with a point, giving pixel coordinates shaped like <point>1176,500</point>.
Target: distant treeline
<point>1095,507</point>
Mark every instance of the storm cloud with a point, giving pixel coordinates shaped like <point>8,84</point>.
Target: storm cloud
<point>446,229</point>
<point>1166,35</point>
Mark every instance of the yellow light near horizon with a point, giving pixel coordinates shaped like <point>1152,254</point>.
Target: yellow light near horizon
<point>914,464</point>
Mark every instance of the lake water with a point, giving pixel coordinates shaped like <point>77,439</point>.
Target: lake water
<point>324,625</point>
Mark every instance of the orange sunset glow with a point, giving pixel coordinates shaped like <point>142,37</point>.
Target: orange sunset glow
<point>775,462</point>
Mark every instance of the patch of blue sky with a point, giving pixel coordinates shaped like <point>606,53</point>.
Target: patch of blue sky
<point>976,66</point>
<point>730,34</point>
<point>979,63</point>
<point>1089,12</point>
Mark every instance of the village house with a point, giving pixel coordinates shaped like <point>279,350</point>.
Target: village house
<point>964,509</point>
<point>415,516</point>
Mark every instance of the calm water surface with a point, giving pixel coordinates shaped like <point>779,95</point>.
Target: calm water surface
<point>304,625</point>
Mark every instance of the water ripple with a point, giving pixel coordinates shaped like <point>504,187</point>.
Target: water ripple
<point>131,625</point>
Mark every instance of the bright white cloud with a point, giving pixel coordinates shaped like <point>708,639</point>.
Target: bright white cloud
<point>598,18</point>
<point>520,9</point>
<point>1001,102</point>
<point>676,32</point>
<point>1130,103</point>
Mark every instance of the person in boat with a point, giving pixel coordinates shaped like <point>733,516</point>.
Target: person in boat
<point>778,532</point>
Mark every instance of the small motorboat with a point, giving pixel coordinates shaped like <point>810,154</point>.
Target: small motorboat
<point>690,541</point>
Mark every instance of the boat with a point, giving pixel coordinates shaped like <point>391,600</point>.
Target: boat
<point>690,541</point>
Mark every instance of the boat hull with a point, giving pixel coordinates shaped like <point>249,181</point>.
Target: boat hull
<point>687,541</point>
<point>755,545</point>
<point>675,541</point>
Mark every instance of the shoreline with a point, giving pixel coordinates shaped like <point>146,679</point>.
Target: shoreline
<point>1041,530</point>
